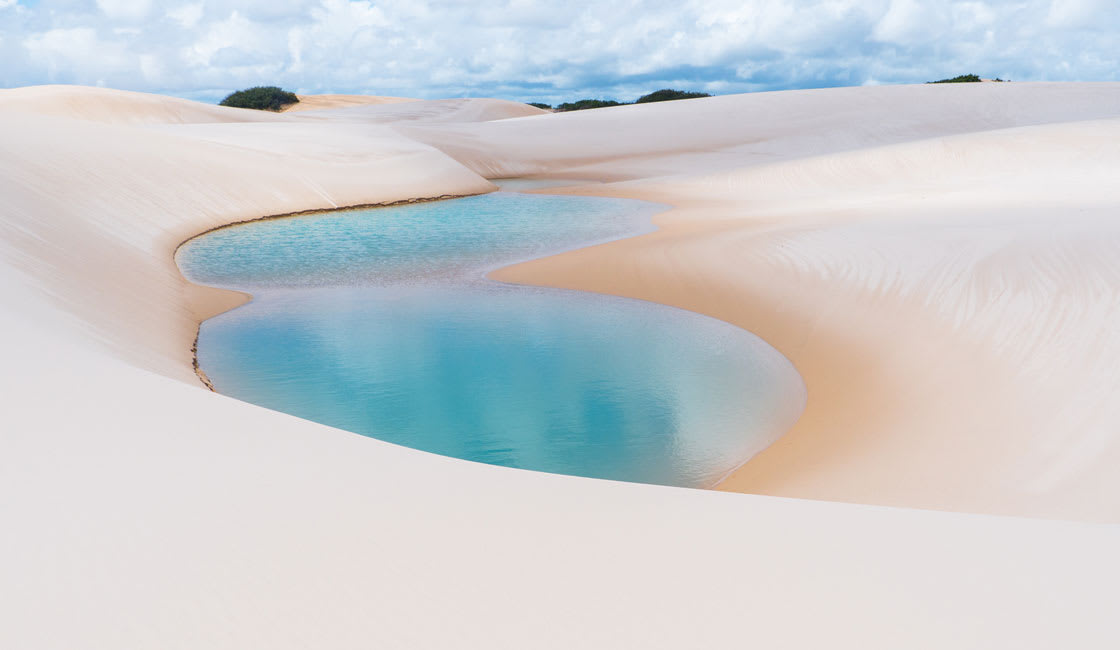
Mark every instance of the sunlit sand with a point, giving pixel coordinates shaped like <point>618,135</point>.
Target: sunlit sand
<point>940,263</point>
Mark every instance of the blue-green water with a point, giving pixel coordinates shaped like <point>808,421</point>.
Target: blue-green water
<point>381,322</point>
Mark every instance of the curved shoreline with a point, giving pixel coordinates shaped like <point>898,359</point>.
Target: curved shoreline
<point>643,226</point>
<point>346,208</point>
<point>900,395</point>
<point>248,297</point>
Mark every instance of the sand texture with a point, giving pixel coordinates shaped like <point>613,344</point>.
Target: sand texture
<point>939,262</point>
<point>321,102</point>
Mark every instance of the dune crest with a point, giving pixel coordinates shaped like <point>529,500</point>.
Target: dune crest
<point>120,107</point>
<point>322,102</point>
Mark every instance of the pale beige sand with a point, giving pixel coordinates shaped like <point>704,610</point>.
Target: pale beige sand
<point>119,106</point>
<point>434,111</point>
<point>140,510</point>
<point>951,305</point>
<point>320,102</point>
<point>947,286</point>
<point>94,210</point>
<point>695,136</point>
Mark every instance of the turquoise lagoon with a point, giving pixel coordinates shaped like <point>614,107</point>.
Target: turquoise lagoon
<point>382,322</point>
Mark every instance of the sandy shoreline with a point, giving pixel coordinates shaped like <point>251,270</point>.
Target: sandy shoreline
<point>939,264</point>
<point>888,427</point>
<point>685,264</point>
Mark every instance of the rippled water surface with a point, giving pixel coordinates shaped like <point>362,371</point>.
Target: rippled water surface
<point>381,322</point>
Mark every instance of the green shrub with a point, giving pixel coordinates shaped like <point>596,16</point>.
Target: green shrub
<point>262,98</point>
<point>585,104</point>
<point>663,95</point>
<point>546,107</point>
<point>964,78</point>
<point>668,94</point>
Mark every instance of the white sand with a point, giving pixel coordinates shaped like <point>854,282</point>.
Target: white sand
<point>950,301</point>
<point>906,254</point>
<point>430,112</point>
<point>321,102</point>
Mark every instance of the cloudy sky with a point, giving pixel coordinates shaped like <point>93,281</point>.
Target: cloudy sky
<point>548,51</point>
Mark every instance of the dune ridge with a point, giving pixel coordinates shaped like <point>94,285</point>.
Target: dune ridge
<point>883,239</point>
<point>323,102</point>
<point>434,111</point>
<point>120,106</point>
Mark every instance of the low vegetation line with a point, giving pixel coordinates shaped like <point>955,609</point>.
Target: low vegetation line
<point>663,95</point>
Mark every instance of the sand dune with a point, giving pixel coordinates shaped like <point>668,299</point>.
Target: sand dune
<point>468,110</point>
<point>949,303</point>
<point>939,264</point>
<point>703,135</point>
<point>941,223</point>
<point>120,107</point>
<point>321,102</point>
<point>93,211</point>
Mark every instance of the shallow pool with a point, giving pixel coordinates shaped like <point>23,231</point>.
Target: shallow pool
<point>381,322</point>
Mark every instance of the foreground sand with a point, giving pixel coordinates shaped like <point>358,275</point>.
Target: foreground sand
<point>938,263</point>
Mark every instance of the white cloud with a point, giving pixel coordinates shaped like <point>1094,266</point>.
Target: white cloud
<point>76,53</point>
<point>125,9</point>
<point>186,15</point>
<point>549,51</point>
<point>234,32</point>
<point>1080,13</point>
<point>910,21</point>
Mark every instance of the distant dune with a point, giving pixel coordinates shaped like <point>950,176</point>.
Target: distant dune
<point>433,111</point>
<point>119,106</point>
<point>939,262</point>
<point>320,102</point>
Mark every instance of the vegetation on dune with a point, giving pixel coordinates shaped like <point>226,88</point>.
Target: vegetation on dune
<point>964,78</point>
<point>668,94</point>
<point>262,98</point>
<point>547,107</point>
<point>663,95</point>
<point>585,104</point>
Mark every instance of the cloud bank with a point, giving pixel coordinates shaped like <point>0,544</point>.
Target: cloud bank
<point>547,51</point>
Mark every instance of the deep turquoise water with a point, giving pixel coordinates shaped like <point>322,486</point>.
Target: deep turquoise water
<point>380,322</point>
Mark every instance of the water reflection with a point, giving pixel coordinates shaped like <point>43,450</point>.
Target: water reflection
<point>400,339</point>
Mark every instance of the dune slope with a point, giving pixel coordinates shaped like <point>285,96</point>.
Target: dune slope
<point>703,135</point>
<point>141,510</point>
<point>432,111</point>
<point>938,311</point>
<point>93,211</point>
<point>950,304</point>
<point>120,107</point>
<point>323,102</point>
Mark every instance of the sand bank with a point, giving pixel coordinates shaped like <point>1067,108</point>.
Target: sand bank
<point>141,510</point>
<point>949,303</point>
<point>939,265</point>
<point>321,102</point>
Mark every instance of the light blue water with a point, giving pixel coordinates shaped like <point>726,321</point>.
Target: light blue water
<point>380,322</point>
